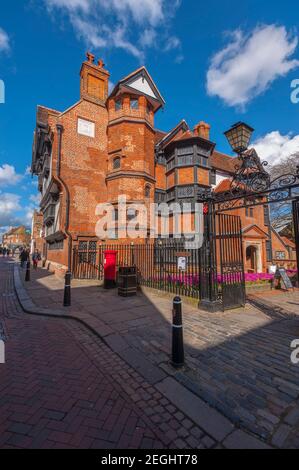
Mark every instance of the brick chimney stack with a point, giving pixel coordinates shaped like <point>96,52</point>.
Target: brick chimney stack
<point>94,80</point>
<point>202,129</point>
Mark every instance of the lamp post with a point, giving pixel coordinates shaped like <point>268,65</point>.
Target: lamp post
<point>239,136</point>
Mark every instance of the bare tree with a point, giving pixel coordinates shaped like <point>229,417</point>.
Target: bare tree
<point>287,166</point>
<point>281,212</point>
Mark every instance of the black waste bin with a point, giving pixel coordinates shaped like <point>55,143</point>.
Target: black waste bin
<point>127,281</point>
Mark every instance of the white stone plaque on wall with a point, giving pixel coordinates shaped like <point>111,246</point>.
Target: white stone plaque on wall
<point>86,128</point>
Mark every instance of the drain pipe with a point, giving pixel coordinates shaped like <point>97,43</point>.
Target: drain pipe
<point>59,128</point>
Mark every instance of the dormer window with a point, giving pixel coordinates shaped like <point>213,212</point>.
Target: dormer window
<point>116,163</point>
<point>118,105</point>
<point>134,103</point>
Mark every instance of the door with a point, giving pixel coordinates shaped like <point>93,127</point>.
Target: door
<point>229,244</point>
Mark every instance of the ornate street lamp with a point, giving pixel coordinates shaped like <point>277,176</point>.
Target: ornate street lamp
<point>239,136</point>
<point>250,174</point>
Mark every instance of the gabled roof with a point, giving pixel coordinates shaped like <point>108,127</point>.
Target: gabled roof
<point>188,135</point>
<point>16,230</point>
<point>255,228</point>
<point>168,136</point>
<point>284,240</point>
<point>140,82</point>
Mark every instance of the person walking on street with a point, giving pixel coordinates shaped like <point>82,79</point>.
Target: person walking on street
<point>35,259</point>
<point>24,257</point>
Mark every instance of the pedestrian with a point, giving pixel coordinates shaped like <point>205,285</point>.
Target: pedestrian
<point>24,257</point>
<point>35,259</point>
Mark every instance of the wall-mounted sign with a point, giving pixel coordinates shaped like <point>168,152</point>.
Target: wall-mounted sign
<point>86,128</point>
<point>182,263</point>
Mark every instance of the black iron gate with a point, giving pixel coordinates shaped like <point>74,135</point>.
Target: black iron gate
<point>229,245</point>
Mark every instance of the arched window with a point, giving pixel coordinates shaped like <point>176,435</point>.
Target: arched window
<point>116,163</point>
<point>147,191</point>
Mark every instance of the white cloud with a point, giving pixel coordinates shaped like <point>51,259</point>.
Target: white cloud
<point>172,43</point>
<point>249,64</point>
<point>13,212</point>
<point>274,147</point>
<point>9,205</point>
<point>72,5</point>
<point>27,220</point>
<point>8,175</point>
<point>131,25</point>
<point>4,41</point>
<point>148,37</point>
<point>35,198</point>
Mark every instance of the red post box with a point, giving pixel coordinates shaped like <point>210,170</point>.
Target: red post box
<point>110,269</point>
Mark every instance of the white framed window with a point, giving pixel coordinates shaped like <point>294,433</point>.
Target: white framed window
<point>86,128</point>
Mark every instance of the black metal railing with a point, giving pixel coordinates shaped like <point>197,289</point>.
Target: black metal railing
<point>167,265</point>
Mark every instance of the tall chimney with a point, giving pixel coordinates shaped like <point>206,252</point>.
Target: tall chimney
<point>202,129</point>
<point>94,80</point>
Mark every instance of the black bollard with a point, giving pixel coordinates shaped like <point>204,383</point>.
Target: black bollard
<point>27,276</point>
<point>67,290</point>
<point>177,334</point>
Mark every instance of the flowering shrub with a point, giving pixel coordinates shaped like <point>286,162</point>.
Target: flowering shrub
<point>192,280</point>
<point>257,277</point>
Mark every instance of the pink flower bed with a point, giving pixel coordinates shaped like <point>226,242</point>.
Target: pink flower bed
<point>193,279</point>
<point>256,277</point>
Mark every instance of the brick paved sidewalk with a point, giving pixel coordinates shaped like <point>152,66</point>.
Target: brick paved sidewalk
<point>238,362</point>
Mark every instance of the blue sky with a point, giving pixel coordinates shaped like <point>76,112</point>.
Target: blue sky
<point>218,61</point>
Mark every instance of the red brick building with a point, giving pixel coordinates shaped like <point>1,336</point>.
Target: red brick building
<point>107,145</point>
<point>16,237</point>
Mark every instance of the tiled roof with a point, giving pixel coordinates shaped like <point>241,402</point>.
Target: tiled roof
<point>167,137</point>
<point>224,185</point>
<point>14,230</point>
<point>185,135</point>
<point>288,242</point>
<point>223,162</point>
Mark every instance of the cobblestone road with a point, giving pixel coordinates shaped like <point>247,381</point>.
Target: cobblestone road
<point>63,388</point>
